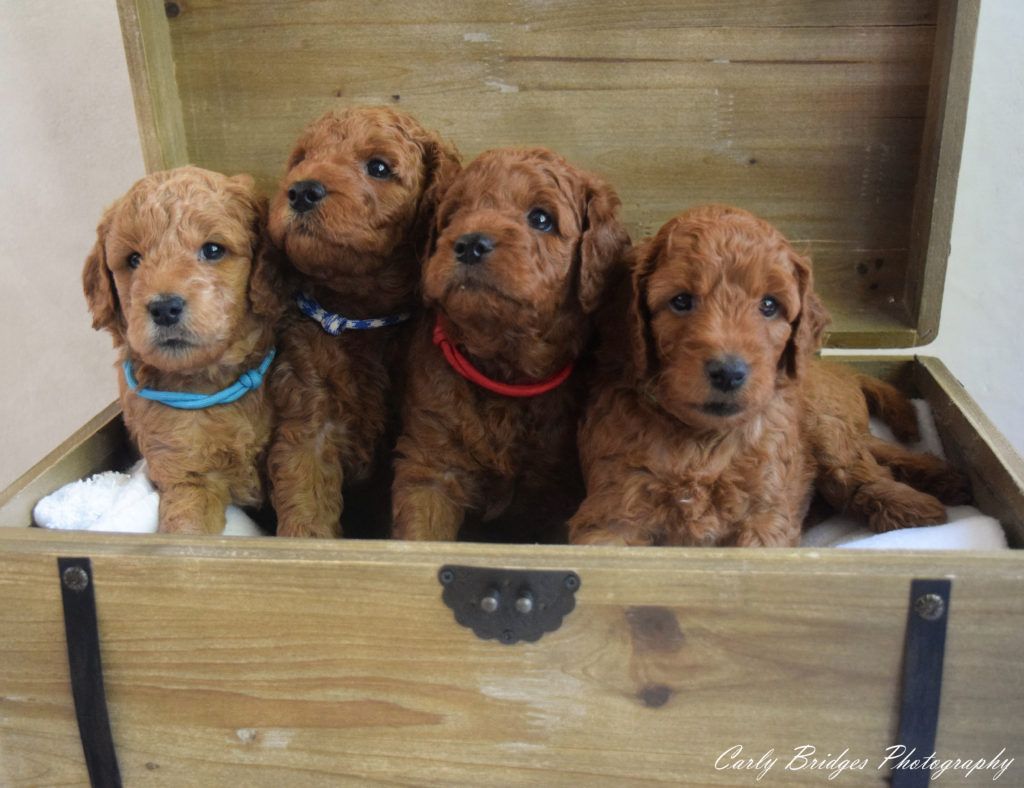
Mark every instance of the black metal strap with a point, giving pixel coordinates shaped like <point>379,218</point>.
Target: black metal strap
<point>83,641</point>
<point>922,682</point>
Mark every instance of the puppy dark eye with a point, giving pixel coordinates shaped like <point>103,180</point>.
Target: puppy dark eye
<point>212,252</point>
<point>682,303</point>
<point>769,306</point>
<point>539,219</point>
<point>133,260</point>
<point>378,168</point>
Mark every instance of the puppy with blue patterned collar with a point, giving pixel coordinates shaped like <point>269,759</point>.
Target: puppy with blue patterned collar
<point>179,277</point>
<point>351,216</point>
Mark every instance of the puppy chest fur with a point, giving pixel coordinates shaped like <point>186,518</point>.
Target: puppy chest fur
<point>657,481</point>
<point>221,447</point>
<point>339,388</point>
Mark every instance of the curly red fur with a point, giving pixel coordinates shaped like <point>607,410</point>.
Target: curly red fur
<point>357,253</point>
<point>520,314</point>
<point>199,460</point>
<point>712,422</point>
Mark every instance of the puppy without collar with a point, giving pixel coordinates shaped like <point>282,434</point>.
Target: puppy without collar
<point>712,423</point>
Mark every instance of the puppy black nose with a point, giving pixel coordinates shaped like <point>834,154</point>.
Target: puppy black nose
<point>166,309</point>
<point>473,248</point>
<point>727,373</point>
<point>304,196</point>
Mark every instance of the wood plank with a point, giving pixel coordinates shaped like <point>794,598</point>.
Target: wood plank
<point>158,108</point>
<point>677,104</point>
<point>932,222</point>
<point>337,663</point>
<point>973,443</point>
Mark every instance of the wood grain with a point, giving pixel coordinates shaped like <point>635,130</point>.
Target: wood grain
<point>275,662</point>
<point>151,68</point>
<point>971,440</point>
<point>932,221</point>
<point>810,114</point>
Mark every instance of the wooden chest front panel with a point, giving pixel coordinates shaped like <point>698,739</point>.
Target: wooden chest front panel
<point>234,662</point>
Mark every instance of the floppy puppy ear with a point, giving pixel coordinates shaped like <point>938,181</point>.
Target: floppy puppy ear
<point>267,292</point>
<point>604,242</point>
<point>642,258</point>
<point>809,326</point>
<point>441,163</point>
<point>98,284</point>
<point>266,285</point>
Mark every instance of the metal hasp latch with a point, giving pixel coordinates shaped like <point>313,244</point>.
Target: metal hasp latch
<point>86,672</point>
<point>923,655</point>
<point>508,604</point>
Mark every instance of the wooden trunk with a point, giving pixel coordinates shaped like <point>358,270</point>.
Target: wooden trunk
<point>280,662</point>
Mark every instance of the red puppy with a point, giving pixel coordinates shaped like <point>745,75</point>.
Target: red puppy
<point>525,245</point>
<point>351,215</point>
<point>712,423</point>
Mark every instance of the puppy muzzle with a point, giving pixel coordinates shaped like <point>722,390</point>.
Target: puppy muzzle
<point>473,248</point>
<point>304,196</point>
<point>166,310</point>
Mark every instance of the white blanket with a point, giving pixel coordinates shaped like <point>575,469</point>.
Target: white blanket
<point>120,503</point>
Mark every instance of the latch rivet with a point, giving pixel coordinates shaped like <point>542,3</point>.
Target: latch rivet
<point>930,607</point>
<point>75,578</point>
<point>490,602</point>
<point>508,605</point>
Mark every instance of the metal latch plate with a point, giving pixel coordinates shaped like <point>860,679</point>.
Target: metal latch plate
<point>509,605</point>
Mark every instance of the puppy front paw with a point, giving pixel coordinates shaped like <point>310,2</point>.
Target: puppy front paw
<point>424,513</point>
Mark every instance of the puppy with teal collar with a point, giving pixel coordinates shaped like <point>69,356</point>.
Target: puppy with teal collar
<point>179,278</point>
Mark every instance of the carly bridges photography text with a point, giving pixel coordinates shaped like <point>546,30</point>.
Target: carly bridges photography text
<point>807,758</point>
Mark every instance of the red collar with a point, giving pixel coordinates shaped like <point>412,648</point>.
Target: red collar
<point>462,365</point>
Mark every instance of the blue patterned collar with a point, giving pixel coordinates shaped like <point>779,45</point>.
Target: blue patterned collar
<point>335,324</point>
<point>249,380</point>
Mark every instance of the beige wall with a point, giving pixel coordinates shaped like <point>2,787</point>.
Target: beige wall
<point>68,135</point>
<point>70,146</point>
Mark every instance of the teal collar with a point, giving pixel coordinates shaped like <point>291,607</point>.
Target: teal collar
<point>178,399</point>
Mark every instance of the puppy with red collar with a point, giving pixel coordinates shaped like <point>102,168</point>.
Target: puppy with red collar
<point>525,245</point>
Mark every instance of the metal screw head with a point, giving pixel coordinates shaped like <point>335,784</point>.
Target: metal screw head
<point>447,576</point>
<point>930,607</point>
<point>489,603</point>
<point>75,578</point>
<point>524,604</point>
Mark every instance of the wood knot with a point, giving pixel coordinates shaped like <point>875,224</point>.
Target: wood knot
<point>654,629</point>
<point>655,696</point>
